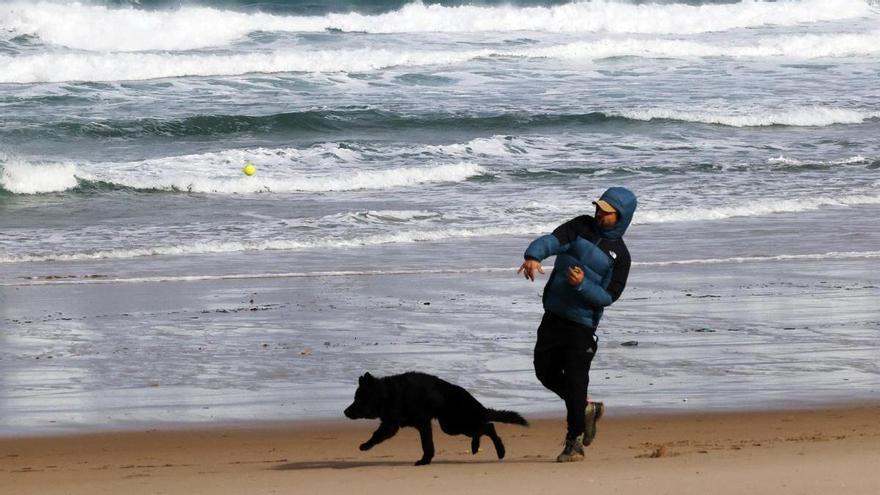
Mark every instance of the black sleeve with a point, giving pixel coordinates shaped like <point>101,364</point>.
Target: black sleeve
<point>620,273</point>
<point>570,230</point>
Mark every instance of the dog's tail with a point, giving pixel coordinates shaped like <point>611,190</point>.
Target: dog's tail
<point>506,417</point>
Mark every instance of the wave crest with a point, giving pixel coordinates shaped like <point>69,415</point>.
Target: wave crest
<point>99,28</point>
<point>95,67</point>
<point>195,174</point>
<point>21,177</point>
<point>809,116</point>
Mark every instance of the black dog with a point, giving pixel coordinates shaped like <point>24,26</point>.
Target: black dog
<point>414,399</point>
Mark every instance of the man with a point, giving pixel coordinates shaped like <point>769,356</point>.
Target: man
<point>590,272</point>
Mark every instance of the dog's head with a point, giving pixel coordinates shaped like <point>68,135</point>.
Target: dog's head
<point>369,399</point>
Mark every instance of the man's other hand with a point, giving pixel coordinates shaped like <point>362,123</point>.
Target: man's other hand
<point>575,276</point>
<point>528,269</point>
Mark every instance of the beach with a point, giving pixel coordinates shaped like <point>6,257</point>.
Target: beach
<point>811,451</point>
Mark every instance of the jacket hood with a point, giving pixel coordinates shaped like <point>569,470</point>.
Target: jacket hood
<point>625,202</point>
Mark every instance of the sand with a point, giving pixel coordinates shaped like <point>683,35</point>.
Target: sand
<point>781,452</point>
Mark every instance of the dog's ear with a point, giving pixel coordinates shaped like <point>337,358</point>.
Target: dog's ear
<point>367,378</point>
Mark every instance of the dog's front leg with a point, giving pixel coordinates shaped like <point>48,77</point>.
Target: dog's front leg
<point>427,443</point>
<point>385,431</point>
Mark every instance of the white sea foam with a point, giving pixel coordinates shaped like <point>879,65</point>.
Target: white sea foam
<point>21,177</point>
<point>792,46</point>
<point>342,181</point>
<point>784,160</point>
<point>393,216</point>
<point>810,116</point>
<point>279,171</point>
<point>58,67</point>
<point>794,162</point>
<point>422,234</point>
<point>850,160</point>
<point>98,28</point>
<point>213,247</point>
<point>93,66</point>
<point>754,208</point>
<point>832,255</point>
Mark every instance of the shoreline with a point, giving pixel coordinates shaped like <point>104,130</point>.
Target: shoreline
<point>685,338</point>
<point>772,452</point>
<point>340,422</point>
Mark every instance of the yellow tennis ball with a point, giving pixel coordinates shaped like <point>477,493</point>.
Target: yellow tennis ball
<point>250,169</point>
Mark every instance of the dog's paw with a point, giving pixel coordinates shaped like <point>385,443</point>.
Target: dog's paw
<point>423,462</point>
<point>365,446</point>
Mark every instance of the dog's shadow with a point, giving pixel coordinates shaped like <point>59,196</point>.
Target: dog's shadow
<point>343,464</point>
<point>340,464</point>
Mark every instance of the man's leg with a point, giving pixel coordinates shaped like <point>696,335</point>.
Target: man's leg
<point>577,358</point>
<point>594,410</point>
<point>549,356</point>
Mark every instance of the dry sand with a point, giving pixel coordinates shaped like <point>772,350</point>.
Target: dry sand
<point>797,452</point>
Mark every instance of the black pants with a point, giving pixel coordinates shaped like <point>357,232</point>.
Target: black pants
<point>563,355</point>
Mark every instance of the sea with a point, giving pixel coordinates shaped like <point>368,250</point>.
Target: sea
<point>431,140</point>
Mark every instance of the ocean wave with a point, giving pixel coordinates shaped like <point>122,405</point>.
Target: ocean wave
<point>97,67</point>
<point>785,161</point>
<point>122,254</point>
<point>99,28</point>
<point>166,175</point>
<point>218,247</point>
<point>371,120</point>
<point>313,121</point>
<point>752,208</point>
<point>92,279</point>
<point>832,255</point>
<point>20,177</point>
<point>94,67</point>
<point>320,121</point>
<point>418,226</point>
<point>809,116</point>
<point>807,46</point>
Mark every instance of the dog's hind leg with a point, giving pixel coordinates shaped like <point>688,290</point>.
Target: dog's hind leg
<point>427,442</point>
<point>385,431</point>
<point>475,443</point>
<point>489,431</point>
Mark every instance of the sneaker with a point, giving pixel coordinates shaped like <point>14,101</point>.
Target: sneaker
<point>573,450</point>
<point>592,414</point>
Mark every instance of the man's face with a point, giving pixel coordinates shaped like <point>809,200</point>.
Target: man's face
<point>605,220</point>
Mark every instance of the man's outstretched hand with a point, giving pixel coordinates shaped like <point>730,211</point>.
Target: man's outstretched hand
<point>528,269</point>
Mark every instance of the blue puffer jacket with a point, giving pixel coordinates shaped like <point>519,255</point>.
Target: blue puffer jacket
<point>601,254</point>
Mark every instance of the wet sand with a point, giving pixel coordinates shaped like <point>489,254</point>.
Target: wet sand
<point>98,355</point>
<point>780,452</point>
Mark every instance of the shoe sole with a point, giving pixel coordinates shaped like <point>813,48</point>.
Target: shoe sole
<point>574,458</point>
